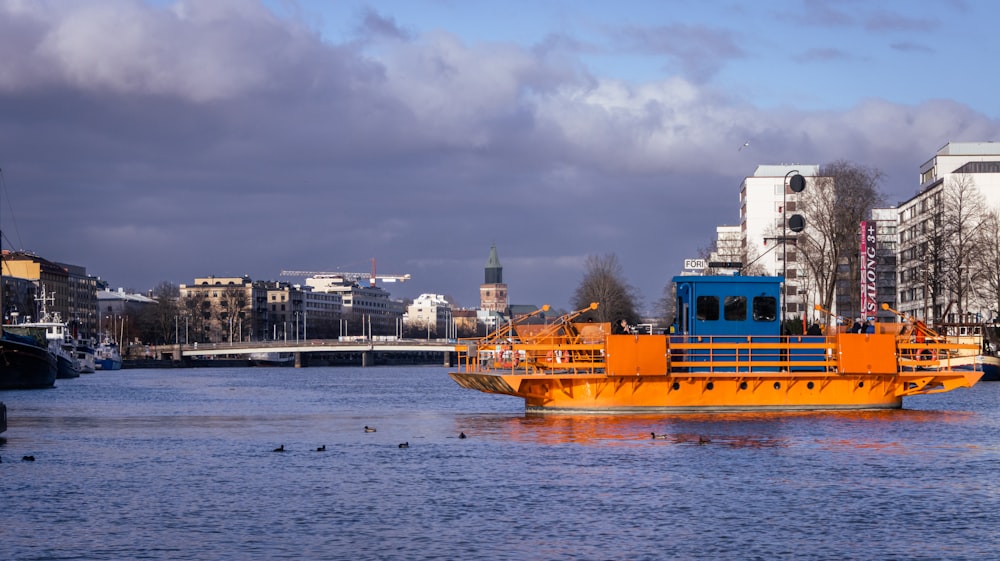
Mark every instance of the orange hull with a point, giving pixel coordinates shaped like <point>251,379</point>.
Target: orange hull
<point>576,393</point>
<point>656,373</point>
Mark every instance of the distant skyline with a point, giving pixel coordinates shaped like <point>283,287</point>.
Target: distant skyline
<point>154,141</point>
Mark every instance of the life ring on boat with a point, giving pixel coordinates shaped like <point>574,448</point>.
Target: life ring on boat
<point>512,361</point>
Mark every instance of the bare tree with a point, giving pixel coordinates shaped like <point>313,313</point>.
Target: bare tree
<point>964,213</point>
<point>834,206</point>
<point>666,305</point>
<point>604,282</point>
<point>232,304</point>
<point>987,261</point>
<point>157,323</point>
<point>196,309</point>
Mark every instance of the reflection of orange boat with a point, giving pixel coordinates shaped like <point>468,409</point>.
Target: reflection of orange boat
<point>727,355</point>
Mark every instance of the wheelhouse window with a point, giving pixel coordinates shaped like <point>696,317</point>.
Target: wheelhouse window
<point>708,308</point>
<point>765,308</point>
<point>735,308</point>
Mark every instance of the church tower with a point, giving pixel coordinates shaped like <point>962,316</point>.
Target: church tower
<point>493,292</point>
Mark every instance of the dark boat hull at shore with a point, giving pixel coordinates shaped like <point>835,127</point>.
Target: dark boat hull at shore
<point>66,367</point>
<point>24,364</point>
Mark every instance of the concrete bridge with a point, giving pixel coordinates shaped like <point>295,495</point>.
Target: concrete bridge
<point>365,347</point>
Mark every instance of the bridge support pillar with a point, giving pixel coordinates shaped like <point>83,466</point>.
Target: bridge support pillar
<point>298,359</point>
<point>365,356</point>
<point>447,359</point>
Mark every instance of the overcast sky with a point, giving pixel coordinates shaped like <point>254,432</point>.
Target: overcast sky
<point>162,141</point>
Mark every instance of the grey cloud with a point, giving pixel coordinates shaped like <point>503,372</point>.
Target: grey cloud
<point>698,51</point>
<point>384,27</point>
<point>284,152</point>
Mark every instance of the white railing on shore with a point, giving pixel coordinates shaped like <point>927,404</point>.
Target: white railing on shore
<point>343,344</point>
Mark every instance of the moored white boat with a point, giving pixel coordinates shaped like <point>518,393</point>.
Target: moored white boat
<point>85,356</point>
<point>107,356</point>
<point>272,359</point>
<point>60,343</point>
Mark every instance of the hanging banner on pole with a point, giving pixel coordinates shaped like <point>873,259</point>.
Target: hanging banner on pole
<point>869,273</point>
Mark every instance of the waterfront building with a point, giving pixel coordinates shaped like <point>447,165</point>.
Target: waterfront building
<point>321,313</point>
<point>766,201</point>
<point>728,249</point>
<point>931,284</point>
<point>295,311</point>
<point>116,308</point>
<point>73,293</point>
<point>365,310</point>
<point>467,322</point>
<point>883,223</point>
<point>225,309</point>
<point>19,296</point>
<point>432,312</point>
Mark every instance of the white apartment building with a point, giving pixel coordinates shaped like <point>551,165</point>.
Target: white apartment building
<point>365,310</point>
<point>766,202</point>
<point>728,249</point>
<point>975,163</point>
<point>432,311</point>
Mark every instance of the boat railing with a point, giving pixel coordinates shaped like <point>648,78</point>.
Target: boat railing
<point>752,354</point>
<point>696,356</point>
<point>543,355</point>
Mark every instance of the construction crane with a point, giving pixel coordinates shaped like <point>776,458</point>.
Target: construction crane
<point>350,277</point>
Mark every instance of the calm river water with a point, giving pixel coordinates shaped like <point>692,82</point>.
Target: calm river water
<point>178,464</point>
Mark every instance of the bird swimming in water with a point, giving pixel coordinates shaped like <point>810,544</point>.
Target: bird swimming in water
<point>461,435</point>
<point>279,448</point>
<point>321,448</point>
<point>704,440</point>
<point>27,458</point>
<point>404,445</point>
<point>369,429</point>
<point>658,436</point>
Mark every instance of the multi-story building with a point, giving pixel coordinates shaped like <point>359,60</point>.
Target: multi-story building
<point>225,309</point>
<point>728,249</point>
<point>920,290</point>
<point>882,224</point>
<point>71,293</point>
<point>433,312</point>
<point>886,223</point>
<point>365,310</point>
<point>766,203</point>
<point>295,311</point>
<point>117,309</point>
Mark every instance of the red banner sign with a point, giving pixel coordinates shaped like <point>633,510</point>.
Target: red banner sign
<point>869,292</point>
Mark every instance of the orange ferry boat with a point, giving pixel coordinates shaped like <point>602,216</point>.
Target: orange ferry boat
<point>726,354</point>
